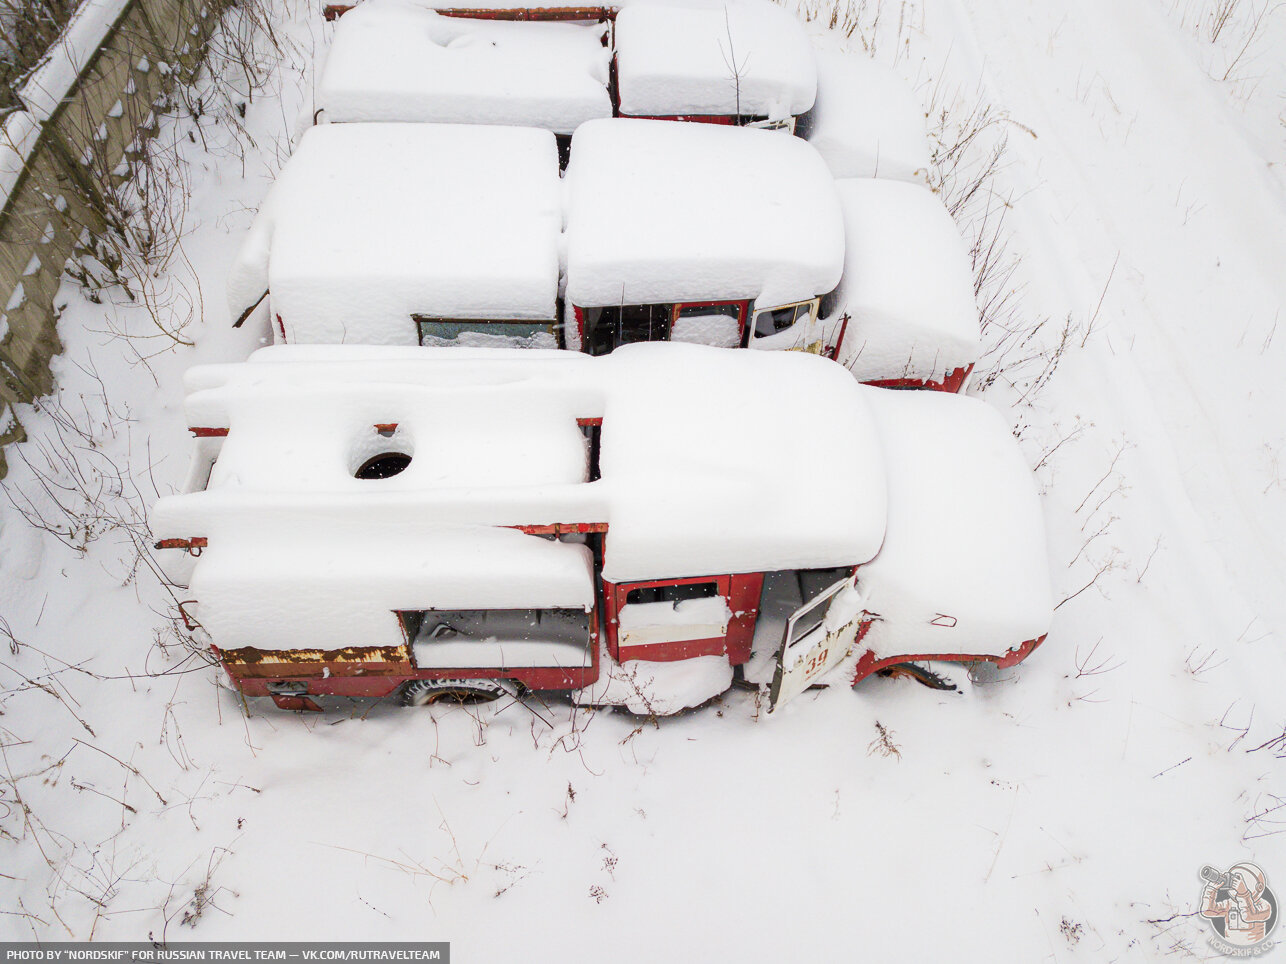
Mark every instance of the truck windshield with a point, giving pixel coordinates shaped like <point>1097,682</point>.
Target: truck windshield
<point>498,637</point>
<point>717,325</point>
<point>482,333</point>
<point>610,327</point>
<point>770,321</point>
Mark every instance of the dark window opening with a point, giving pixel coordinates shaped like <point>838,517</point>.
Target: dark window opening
<point>383,466</point>
<point>564,142</point>
<point>609,328</point>
<point>676,594</point>
<point>497,625</point>
<point>731,309</point>
<point>411,621</point>
<point>593,438</point>
<point>812,585</point>
<point>718,325</point>
<point>809,620</point>
<point>774,320</point>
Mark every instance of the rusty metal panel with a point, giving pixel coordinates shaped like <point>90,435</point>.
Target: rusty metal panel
<point>535,14</point>
<point>333,11</point>
<point>251,662</point>
<point>200,542</point>
<point>561,528</point>
<point>869,663</point>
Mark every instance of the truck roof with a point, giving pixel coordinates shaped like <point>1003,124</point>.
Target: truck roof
<point>398,60</point>
<point>368,224</point>
<point>907,285</point>
<point>740,57</point>
<point>867,122</point>
<point>659,212</point>
<point>702,474</point>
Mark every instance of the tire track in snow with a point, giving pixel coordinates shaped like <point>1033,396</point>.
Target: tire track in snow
<point>1130,131</point>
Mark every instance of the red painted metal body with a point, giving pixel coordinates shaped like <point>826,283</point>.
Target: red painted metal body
<point>382,684</point>
<point>615,595</point>
<point>381,678</point>
<point>868,663</point>
<point>200,432</point>
<point>741,593</point>
<point>833,354</point>
<point>953,382</point>
<point>744,603</point>
<point>578,316</point>
<point>199,543</point>
<point>561,528</point>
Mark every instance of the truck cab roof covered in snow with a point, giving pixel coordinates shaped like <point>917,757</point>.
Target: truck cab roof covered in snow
<point>907,285</point>
<point>661,212</point>
<point>867,122</point>
<point>399,60</point>
<point>700,475</point>
<point>963,568</point>
<point>369,225</point>
<point>748,58</point>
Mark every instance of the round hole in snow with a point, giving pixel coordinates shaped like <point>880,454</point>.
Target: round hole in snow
<point>376,454</point>
<point>383,466</point>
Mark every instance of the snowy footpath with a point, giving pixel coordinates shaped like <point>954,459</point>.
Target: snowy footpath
<point>1060,810</point>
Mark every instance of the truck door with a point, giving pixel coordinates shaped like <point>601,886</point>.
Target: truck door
<point>809,649</point>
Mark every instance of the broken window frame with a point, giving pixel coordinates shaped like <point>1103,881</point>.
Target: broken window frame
<point>813,305</point>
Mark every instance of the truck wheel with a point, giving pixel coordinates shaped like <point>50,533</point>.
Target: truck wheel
<point>425,692</point>
<point>921,674</point>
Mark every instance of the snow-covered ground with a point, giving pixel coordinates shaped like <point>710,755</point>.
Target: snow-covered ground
<point>1061,812</point>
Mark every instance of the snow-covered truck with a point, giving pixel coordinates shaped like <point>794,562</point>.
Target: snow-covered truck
<point>736,238</point>
<point>405,234</point>
<point>635,530</point>
<point>455,234</point>
<point>555,67</point>
<point>906,297</point>
<point>679,232</point>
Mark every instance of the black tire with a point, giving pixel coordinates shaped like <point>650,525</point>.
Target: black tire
<point>426,692</point>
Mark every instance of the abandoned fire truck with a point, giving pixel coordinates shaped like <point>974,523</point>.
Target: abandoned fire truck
<point>905,302</point>
<point>717,235</point>
<point>390,234</point>
<point>735,237</point>
<point>557,66</point>
<point>633,530</point>
<point>744,63</point>
<point>404,234</point>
